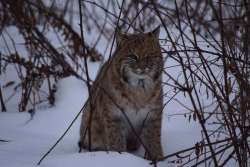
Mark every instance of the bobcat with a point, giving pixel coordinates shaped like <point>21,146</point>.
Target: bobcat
<point>126,98</point>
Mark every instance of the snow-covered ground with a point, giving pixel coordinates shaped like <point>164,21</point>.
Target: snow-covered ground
<point>30,139</point>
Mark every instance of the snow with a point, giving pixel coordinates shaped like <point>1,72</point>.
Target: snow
<point>98,159</point>
<point>30,139</point>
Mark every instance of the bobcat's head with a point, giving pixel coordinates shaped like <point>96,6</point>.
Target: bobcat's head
<point>140,60</point>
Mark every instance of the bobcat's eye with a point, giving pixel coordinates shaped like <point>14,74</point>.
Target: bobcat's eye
<point>133,57</point>
<point>153,58</point>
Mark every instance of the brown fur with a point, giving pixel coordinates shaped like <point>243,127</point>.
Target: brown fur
<point>121,86</point>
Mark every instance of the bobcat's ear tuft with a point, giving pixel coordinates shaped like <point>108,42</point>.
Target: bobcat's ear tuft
<point>156,32</point>
<point>120,36</point>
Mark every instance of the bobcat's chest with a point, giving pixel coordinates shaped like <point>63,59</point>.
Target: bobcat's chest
<point>136,116</point>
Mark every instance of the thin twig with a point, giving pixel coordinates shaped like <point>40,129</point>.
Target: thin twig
<point>61,137</point>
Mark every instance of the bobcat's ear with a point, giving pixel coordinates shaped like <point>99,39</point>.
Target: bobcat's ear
<point>120,36</point>
<point>156,32</point>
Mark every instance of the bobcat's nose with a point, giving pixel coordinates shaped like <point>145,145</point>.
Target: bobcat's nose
<point>139,71</point>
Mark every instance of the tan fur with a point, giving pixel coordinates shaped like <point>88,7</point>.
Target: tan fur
<point>120,87</point>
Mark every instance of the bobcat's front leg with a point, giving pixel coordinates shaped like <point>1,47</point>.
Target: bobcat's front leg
<point>151,136</point>
<point>115,134</point>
